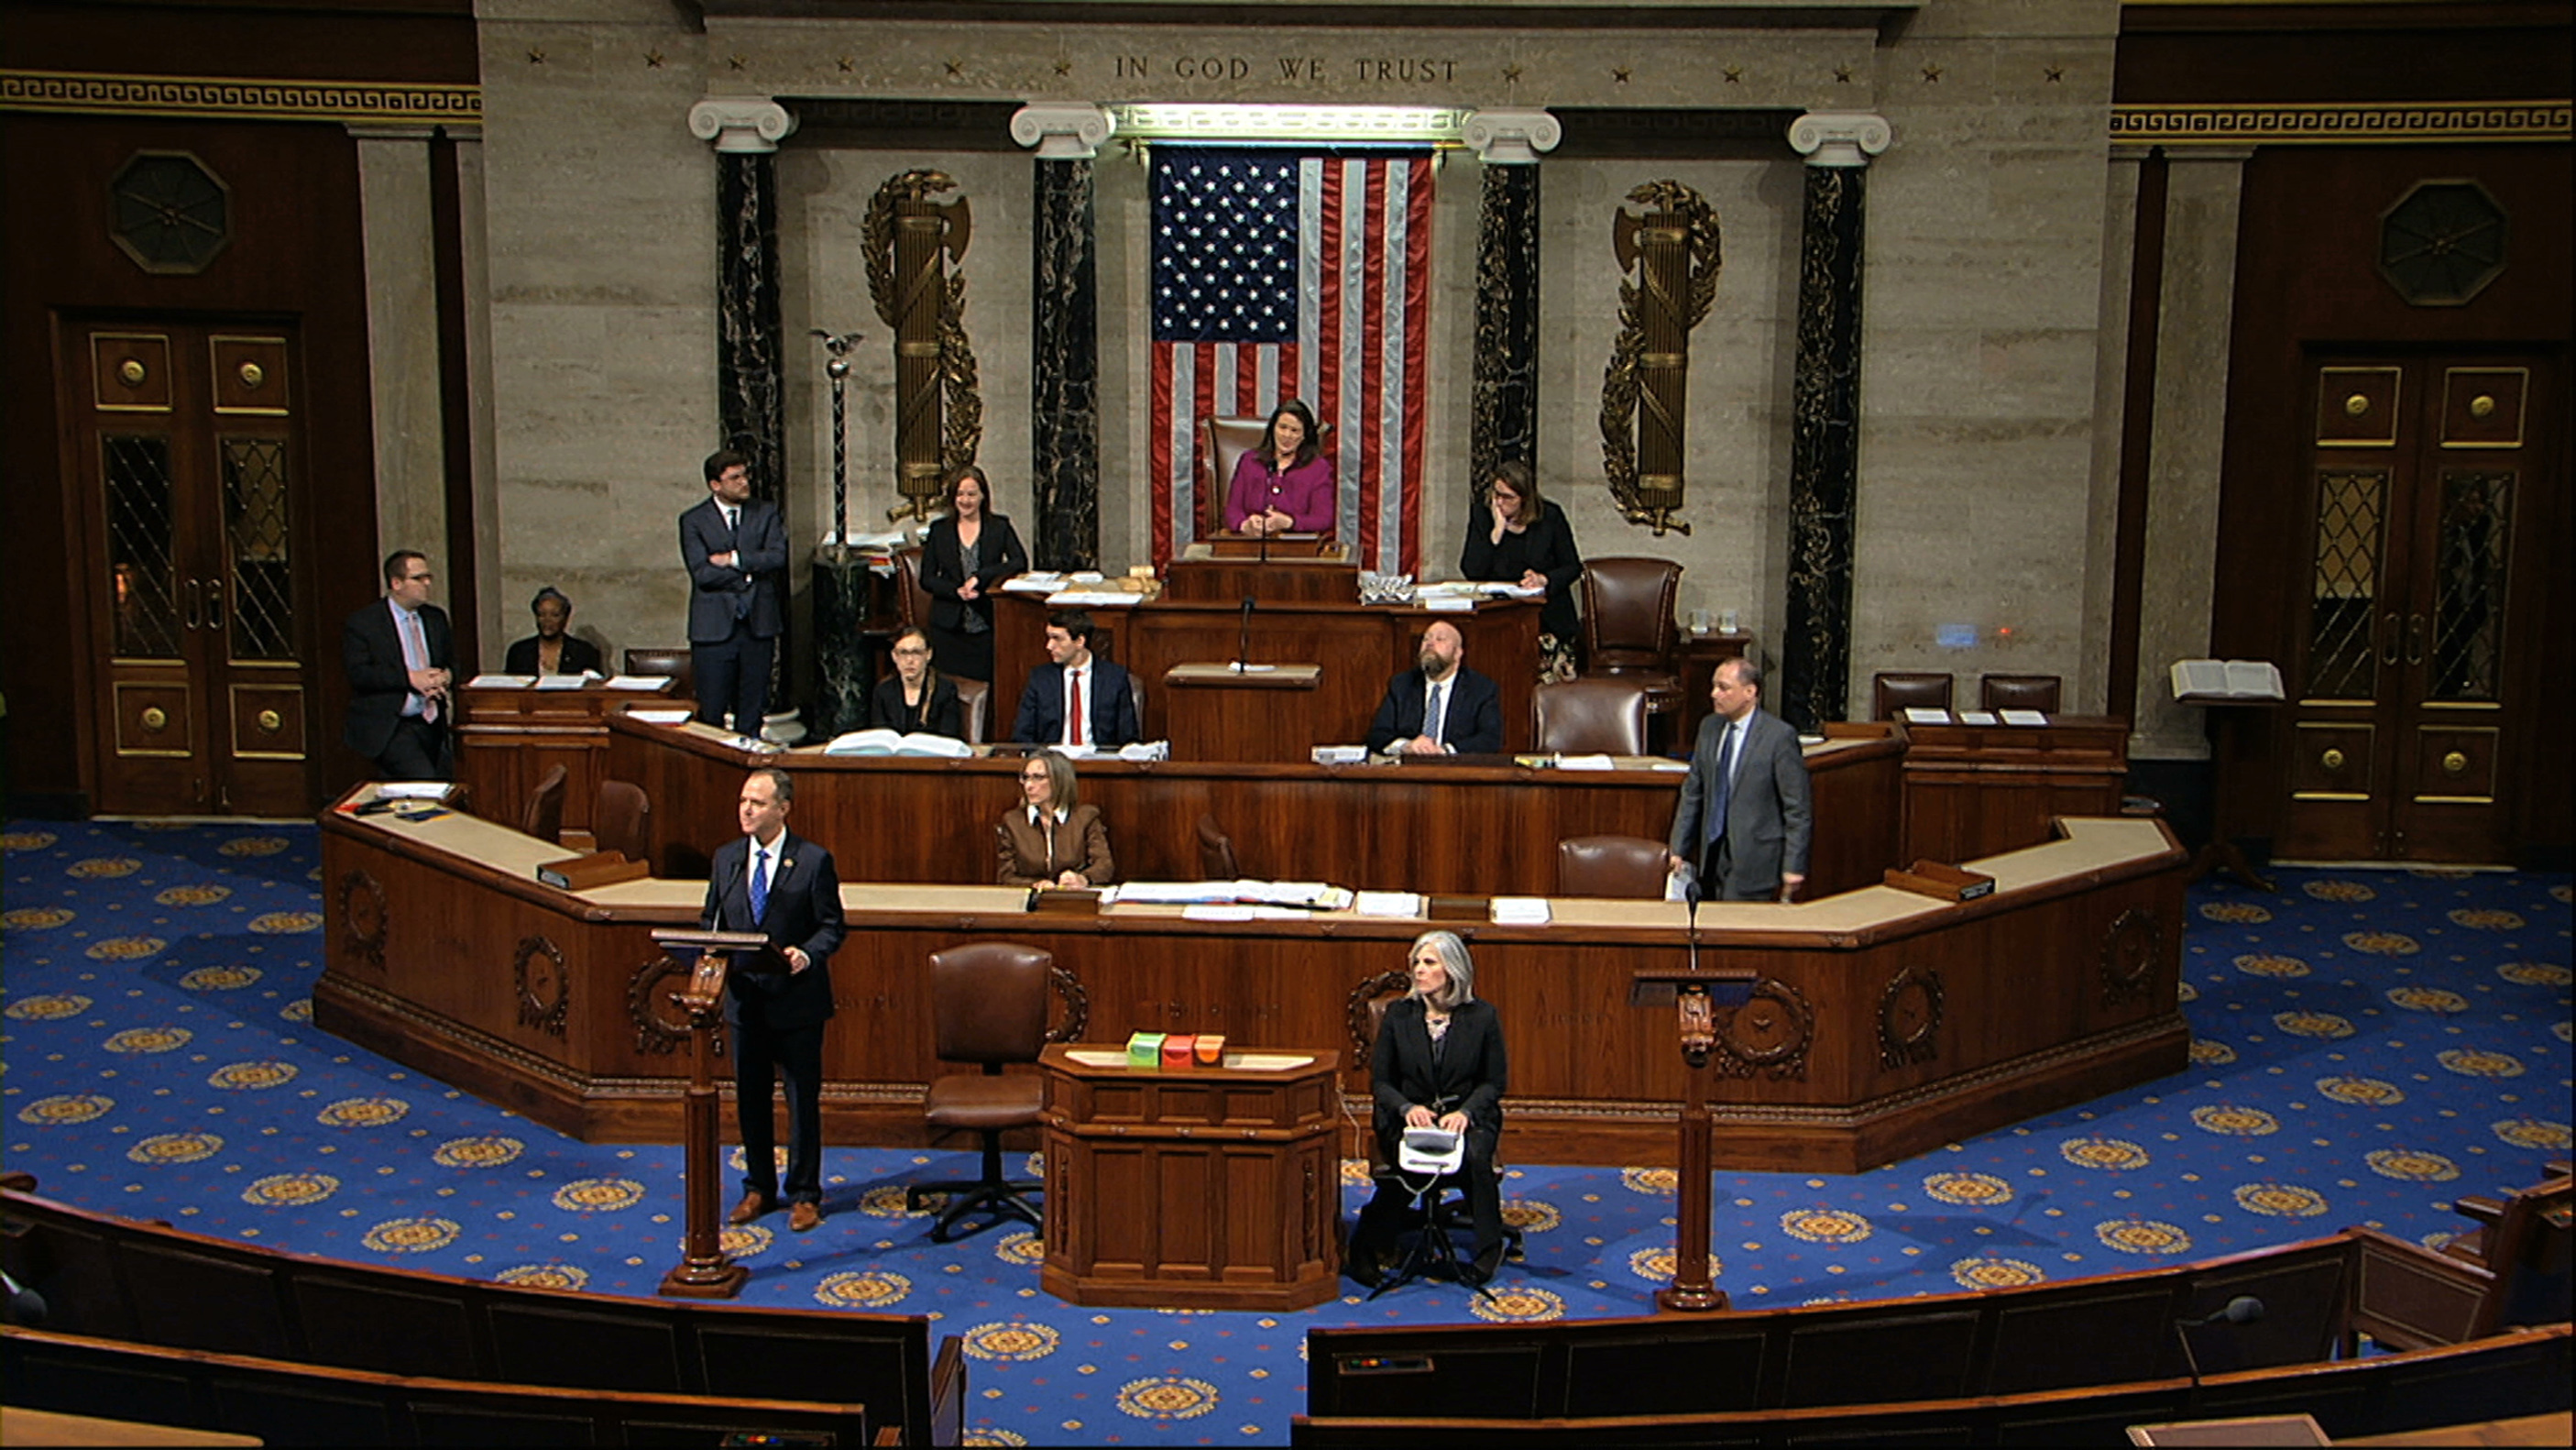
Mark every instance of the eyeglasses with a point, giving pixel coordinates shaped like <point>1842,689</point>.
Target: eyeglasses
<point>906,652</point>
<point>1034,775</point>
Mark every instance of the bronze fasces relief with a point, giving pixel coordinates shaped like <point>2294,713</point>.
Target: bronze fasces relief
<point>914,247</point>
<point>1668,261</point>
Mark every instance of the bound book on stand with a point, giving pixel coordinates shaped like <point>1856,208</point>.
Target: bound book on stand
<point>2226,680</point>
<point>599,868</point>
<point>1941,882</point>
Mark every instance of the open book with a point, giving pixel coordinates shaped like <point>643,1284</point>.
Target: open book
<point>2226,679</point>
<point>1309,895</point>
<point>886,742</point>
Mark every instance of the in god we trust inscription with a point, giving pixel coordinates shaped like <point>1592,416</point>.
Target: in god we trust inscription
<point>1288,69</point>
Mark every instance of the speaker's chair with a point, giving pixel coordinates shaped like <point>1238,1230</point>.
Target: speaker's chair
<point>1222,444</point>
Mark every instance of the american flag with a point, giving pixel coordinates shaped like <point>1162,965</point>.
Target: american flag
<point>1281,276</point>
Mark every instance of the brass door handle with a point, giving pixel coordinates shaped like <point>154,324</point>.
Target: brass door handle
<point>2388,655</point>
<point>196,603</point>
<point>2414,639</point>
<point>214,604</point>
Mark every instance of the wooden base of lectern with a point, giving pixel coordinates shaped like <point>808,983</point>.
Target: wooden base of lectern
<point>721,1280</point>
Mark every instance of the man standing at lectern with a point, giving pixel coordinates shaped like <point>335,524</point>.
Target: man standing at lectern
<point>734,546</point>
<point>781,885</point>
<point>1744,820</point>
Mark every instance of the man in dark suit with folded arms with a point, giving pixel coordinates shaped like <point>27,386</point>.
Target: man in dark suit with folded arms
<point>1744,820</point>
<point>1076,698</point>
<point>1439,707</point>
<point>398,653</point>
<point>735,547</point>
<point>783,885</point>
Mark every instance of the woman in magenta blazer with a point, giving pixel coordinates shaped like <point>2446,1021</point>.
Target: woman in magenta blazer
<point>1284,486</point>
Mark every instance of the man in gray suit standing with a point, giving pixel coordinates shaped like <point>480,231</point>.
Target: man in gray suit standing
<point>1744,820</point>
<point>736,547</point>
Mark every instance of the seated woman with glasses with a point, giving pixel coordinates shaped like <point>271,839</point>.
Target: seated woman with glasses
<point>1438,1063</point>
<point>1052,838</point>
<point>916,697</point>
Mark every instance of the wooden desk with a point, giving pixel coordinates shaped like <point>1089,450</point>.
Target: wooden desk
<point>508,737</point>
<point>1971,789</point>
<point>1412,827</point>
<point>1199,1188</point>
<point>1885,1023</point>
<point>1361,647</point>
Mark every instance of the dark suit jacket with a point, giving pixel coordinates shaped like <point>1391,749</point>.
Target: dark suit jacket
<point>941,714</point>
<point>578,655</point>
<point>1080,844</point>
<point>804,911</point>
<point>1111,704</point>
<point>371,653</point>
<point>1471,1076</point>
<point>999,557</point>
<point>716,593</point>
<point>1475,712</point>
<point>1768,819</point>
<point>1547,546</point>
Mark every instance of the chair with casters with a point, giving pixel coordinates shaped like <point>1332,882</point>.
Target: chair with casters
<point>2018,692</point>
<point>989,1004</point>
<point>621,818</point>
<point>1892,692</point>
<point>1217,860</point>
<point>1598,714</point>
<point>1628,626</point>
<point>1629,867</point>
<point>678,663</point>
<point>1438,1196</point>
<point>543,817</point>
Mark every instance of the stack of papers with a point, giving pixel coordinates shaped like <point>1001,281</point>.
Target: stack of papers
<point>1141,750</point>
<point>1926,715</point>
<point>1387,903</point>
<point>2024,717</point>
<point>1299,895</point>
<point>1340,754</point>
<point>660,717</point>
<point>500,682</point>
<point>1520,911</point>
<point>566,682</point>
<point>1036,581</point>
<point>639,682</point>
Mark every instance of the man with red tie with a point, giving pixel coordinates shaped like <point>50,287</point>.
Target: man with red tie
<point>398,653</point>
<point>1076,698</point>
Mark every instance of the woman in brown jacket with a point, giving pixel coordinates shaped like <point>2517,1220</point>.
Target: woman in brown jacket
<point>1052,838</point>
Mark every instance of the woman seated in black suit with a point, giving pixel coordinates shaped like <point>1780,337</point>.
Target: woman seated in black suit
<point>916,696</point>
<point>966,552</point>
<point>1438,1063</point>
<point>1051,838</point>
<point>550,651</point>
<point>1525,540</point>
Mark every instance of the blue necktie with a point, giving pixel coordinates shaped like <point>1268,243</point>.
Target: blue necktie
<point>759,884</point>
<point>1715,825</point>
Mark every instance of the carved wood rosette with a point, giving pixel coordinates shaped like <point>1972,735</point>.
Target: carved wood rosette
<point>2130,951</point>
<point>544,987</point>
<point>1769,1035</point>
<point>660,1025</point>
<point>1909,1018</point>
<point>363,918</point>
<point>913,245</point>
<point>1362,1021</point>
<point>1668,261</point>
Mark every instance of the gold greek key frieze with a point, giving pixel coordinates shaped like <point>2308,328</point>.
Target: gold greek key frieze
<point>2239,125</point>
<point>91,93</point>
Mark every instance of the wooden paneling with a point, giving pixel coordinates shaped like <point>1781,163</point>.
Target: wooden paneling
<point>1974,790</point>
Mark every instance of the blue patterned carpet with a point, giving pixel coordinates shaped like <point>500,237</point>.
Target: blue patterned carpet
<point>2371,1045</point>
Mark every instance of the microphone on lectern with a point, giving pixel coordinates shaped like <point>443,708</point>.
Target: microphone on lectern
<point>1243,641</point>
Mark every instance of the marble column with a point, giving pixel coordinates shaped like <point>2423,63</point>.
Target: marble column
<point>402,341</point>
<point>1505,398</point>
<point>750,353</point>
<point>1064,333</point>
<point>1814,681</point>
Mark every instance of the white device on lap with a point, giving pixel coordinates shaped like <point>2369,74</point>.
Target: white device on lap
<point>1431,1150</point>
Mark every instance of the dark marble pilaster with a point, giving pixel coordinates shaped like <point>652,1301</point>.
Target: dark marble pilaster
<point>844,665</point>
<point>1824,450</point>
<point>1064,362</point>
<point>1506,381</point>
<point>749,381</point>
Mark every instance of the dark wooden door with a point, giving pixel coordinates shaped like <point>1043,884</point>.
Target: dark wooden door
<point>2403,715</point>
<point>185,452</point>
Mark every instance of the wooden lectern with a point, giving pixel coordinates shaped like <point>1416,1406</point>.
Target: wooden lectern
<point>1695,996</point>
<point>703,1271</point>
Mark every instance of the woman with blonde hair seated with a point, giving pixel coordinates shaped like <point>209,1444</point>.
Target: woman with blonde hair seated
<point>1053,839</point>
<point>1438,1063</point>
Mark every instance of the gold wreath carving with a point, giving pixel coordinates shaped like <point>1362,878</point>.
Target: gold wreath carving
<point>363,916</point>
<point>542,1003</point>
<point>1769,1034</point>
<point>2130,951</point>
<point>1909,1018</point>
<point>1357,1013</point>
<point>660,1026</point>
<point>1649,362</point>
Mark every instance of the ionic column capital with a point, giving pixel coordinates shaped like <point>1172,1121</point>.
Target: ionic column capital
<point>1511,137</point>
<point>741,125</point>
<point>1061,131</point>
<point>1839,138</point>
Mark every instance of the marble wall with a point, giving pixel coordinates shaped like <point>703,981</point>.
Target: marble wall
<point>1983,467</point>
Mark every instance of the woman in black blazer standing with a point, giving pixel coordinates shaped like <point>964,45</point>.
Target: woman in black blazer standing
<point>1438,1063</point>
<point>916,697</point>
<point>968,551</point>
<point>1525,540</point>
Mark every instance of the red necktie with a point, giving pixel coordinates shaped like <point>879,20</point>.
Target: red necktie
<point>1073,707</point>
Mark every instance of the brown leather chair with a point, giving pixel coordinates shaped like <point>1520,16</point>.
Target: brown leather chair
<point>1895,691</point>
<point>977,698</point>
<point>911,601</point>
<point>621,819</point>
<point>1216,852</point>
<point>543,817</point>
<point>2018,692</point>
<point>988,1007</point>
<point>1222,444</point>
<point>1599,713</point>
<point>662,660</point>
<point>1628,625</point>
<point>1630,867</point>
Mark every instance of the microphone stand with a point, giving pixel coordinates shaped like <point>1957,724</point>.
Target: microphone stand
<point>1243,640</point>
